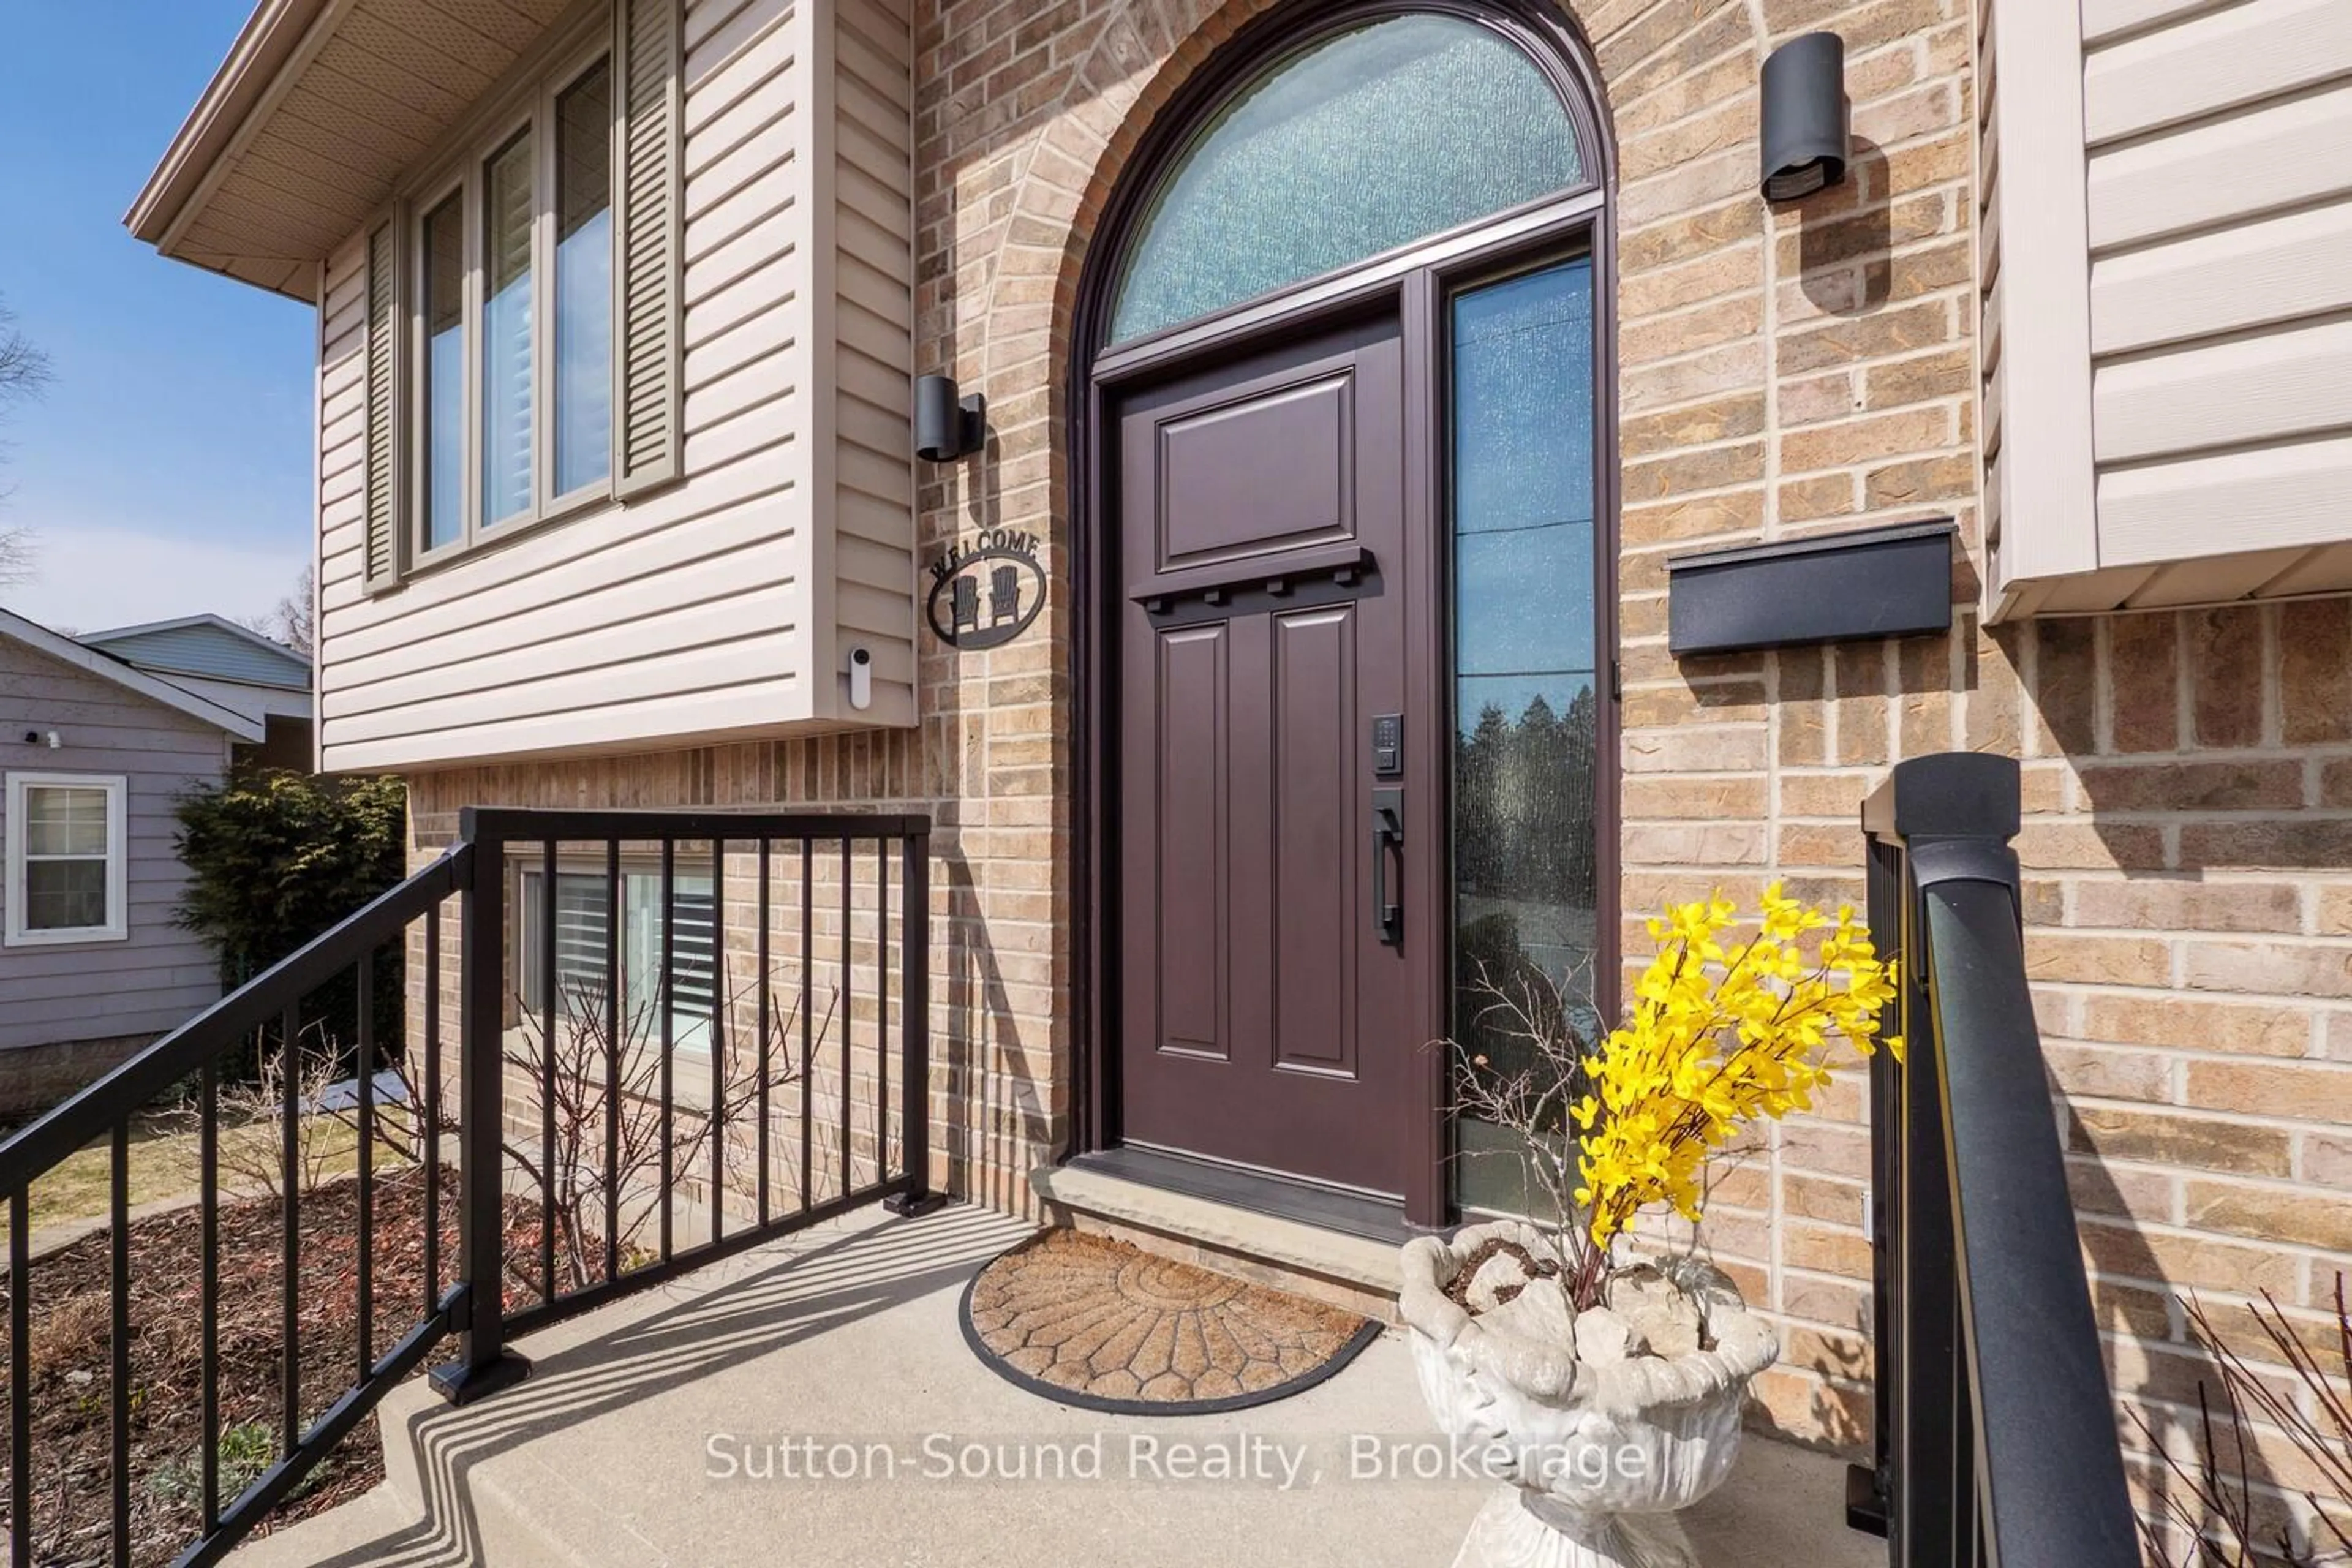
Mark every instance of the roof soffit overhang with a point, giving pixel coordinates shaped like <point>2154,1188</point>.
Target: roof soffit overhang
<point>311,123</point>
<point>106,667</point>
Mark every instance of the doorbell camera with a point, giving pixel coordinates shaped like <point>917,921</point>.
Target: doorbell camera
<point>861,678</point>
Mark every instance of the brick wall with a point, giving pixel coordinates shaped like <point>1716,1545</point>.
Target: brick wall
<point>1785,371</point>
<point>1801,369</point>
<point>2188,846</point>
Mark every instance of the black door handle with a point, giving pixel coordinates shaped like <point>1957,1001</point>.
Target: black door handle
<point>1387,833</point>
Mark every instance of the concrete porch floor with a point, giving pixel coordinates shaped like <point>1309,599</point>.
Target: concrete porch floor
<point>848,1334</point>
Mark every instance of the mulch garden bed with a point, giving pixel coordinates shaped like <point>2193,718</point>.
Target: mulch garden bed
<point>72,1357</point>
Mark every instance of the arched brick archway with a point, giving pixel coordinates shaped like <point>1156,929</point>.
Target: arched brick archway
<point>1014,190</point>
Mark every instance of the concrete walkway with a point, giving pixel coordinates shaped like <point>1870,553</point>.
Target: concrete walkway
<point>682,1427</point>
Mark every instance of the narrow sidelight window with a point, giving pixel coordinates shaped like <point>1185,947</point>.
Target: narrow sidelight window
<point>506,333</point>
<point>445,375</point>
<point>584,282</point>
<point>1526,904</point>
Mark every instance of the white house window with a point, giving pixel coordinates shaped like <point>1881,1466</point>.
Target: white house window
<point>65,854</point>
<point>583,924</point>
<point>512,315</point>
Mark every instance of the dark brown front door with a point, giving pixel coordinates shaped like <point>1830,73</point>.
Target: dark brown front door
<point>1269,1012</point>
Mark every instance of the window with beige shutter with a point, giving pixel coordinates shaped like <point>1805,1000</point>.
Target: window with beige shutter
<point>653,238</point>
<point>523,341</point>
<point>385,548</point>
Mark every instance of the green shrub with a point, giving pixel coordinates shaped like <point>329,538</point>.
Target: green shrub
<point>277,857</point>
<point>274,858</point>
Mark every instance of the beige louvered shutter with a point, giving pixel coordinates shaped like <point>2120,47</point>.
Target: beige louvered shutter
<point>385,543</point>
<point>647,367</point>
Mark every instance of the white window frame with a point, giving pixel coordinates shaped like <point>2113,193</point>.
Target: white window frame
<point>117,860</point>
<point>533,110</point>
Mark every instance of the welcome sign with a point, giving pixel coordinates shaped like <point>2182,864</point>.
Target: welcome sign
<point>987,589</point>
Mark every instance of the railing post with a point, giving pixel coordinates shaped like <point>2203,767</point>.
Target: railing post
<point>1870,1488</point>
<point>914,1026</point>
<point>1997,1440</point>
<point>484,1365</point>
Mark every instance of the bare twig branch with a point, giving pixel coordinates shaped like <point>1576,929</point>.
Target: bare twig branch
<point>595,1067</point>
<point>1529,1072</point>
<point>291,621</point>
<point>24,374</point>
<point>2219,1506</point>
<point>252,1145</point>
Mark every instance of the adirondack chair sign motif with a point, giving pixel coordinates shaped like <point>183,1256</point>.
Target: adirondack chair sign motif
<point>985,591</point>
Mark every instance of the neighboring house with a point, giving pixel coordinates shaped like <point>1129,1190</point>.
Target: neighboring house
<point>1353,374</point>
<point>235,667</point>
<point>94,752</point>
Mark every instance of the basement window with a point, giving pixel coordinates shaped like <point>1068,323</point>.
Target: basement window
<point>586,908</point>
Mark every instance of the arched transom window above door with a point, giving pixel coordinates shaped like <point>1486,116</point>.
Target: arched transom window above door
<point>1355,143</point>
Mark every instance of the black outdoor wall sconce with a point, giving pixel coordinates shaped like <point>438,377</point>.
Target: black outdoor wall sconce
<point>946,427</point>
<point>1807,120</point>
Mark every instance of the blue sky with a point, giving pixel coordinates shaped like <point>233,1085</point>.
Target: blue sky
<point>168,469</point>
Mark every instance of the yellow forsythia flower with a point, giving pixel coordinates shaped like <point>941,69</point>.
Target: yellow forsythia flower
<point>1721,1036</point>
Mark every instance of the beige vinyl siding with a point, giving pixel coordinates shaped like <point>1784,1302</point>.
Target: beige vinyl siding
<point>723,604</point>
<point>2216,206</point>
<point>2219,197</point>
<point>2035,379</point>
<point>1990,318</point>
<point>873,339</point>
<point>159,976</point>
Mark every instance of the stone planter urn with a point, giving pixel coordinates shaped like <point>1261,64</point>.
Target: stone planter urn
<point>1598,1426</point>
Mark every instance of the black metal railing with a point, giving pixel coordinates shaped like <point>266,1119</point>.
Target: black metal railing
<point>1996,1429</point>
<point>677,1035</point>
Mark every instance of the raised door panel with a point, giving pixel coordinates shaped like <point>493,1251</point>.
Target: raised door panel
<point>1191,844</point>
<point>1269,469</point>
<point>1316,903</point>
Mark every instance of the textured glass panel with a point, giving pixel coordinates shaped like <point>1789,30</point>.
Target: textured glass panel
<point>584,282</point>
<point>1525,894</point>
<point>1355,146</point>
<point>1533,590</point>
<point>63,820</point>
<point>445,375</point>
<point>506,333</point>
<point>65,895</point>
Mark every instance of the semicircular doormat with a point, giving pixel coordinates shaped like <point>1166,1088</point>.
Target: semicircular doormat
<point>1103,1325</point>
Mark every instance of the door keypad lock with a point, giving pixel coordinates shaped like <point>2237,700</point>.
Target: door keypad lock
<point>1388,746</point>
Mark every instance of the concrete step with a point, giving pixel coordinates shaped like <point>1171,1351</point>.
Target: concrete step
<point>359,1530</point>
<point>675,1428</point>
<point>1322,1265</point>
